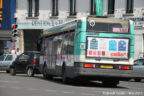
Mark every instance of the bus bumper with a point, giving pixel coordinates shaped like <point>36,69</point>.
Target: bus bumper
<point>98,74</point>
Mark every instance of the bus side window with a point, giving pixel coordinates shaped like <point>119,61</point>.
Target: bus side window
<point>143,62</point>
<point>70,49</point>
<point>59,44</point>
<point>64,49</point>
<point>70,46</point>
<point>72,36</point>
<point>42,46</point>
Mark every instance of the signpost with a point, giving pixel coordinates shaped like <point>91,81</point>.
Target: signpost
<point>40,24</point>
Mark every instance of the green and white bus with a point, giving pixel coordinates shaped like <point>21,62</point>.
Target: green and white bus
<point>89,48</point>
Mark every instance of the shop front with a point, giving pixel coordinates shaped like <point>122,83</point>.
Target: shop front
<point>7,10</point>
<point>31,30</point>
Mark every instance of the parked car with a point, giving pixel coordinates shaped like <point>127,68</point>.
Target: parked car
<point>27,62</point>
<point>6,60</point>
<point>138,70</point>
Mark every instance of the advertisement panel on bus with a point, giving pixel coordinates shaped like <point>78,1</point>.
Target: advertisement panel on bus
<point>107,47</point>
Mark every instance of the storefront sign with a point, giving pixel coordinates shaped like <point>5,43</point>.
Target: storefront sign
<point>107,47</point>
<point>1,6</point>
<point>7,10</point>
<point>138,21</point>
<point>40,24</point>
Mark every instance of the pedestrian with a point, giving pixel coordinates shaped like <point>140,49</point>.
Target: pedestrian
<point>7,51</point>
<point>18,52</point>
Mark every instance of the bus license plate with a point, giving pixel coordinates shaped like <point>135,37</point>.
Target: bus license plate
<point>106,66</point>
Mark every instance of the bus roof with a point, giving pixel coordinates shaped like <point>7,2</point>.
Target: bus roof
<point>71,25</point>
<point>60,28</point>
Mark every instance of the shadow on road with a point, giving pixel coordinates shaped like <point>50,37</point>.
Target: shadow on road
<point>78,83</point>
<point>58,80</point>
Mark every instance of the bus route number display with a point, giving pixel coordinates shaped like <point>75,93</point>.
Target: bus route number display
<point>107,26</point>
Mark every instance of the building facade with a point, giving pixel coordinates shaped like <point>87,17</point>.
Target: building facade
<point>7,18</point>
<point>35,15</point>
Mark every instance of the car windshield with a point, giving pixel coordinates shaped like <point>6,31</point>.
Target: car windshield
<point>139,62</point>
<point>37,55</point>
<point>9,58</point>
<point>2,57</point>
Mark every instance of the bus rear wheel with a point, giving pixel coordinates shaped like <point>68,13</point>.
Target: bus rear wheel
<point>137,80</point>
<point>65,79</point>
<point>44,73</point>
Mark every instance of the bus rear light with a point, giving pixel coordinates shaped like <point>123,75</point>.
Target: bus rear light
<point>129,73</point>
<point>89,66</point>
<point>84,71</point>
<point>34,61</point>
<point>125,67</point>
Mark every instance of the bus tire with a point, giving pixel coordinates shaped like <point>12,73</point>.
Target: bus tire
<point>137,80</point>
<point>45,76</point>
<point>63,69</point>
<point>108,83</point>
<point>65,79</point>
<point>50,77</point>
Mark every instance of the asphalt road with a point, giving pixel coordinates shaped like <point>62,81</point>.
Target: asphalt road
<point>21,85</point>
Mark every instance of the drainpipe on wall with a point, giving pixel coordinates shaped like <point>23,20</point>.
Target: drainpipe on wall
<point>99,7</point>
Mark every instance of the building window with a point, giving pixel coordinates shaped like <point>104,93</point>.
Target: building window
<point>72,7</point>
<point>33,8</point>
<point>36,8</point>
<point>111,6</point>
<point>30,8</point>
<point>129,6</point>
<point>55,8</point>
<point>93,8</point>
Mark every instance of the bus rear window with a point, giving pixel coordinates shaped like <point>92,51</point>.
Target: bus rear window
<point>107,25</point>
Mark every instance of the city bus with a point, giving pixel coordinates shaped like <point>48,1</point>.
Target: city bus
<point>90,48</point>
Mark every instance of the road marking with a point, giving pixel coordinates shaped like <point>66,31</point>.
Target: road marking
<point>50,90</point>
<point>16,87</point>
<point>2,86</point>
<point>88,94</point>
<point>9,82</point>
<point>32,89</point>
<point>67,92</point>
